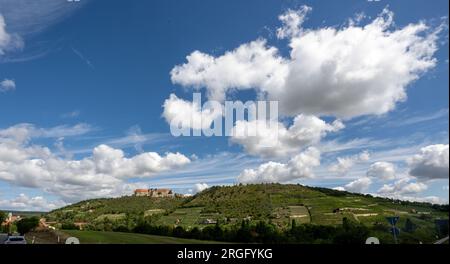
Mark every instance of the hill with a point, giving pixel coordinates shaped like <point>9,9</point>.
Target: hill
<point>113,208</point>
<point>277,204</point>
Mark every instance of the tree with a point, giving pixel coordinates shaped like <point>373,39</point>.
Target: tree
<point>351,233</point>
<point>294,224</point>
<point>266,232</point>
<point>243,233</point>
<point>195,233</point>
<point>179,232</point>
<point>2,217</point>
<point>27,224</point>
<point>410,227</point>
<point>69,226</point>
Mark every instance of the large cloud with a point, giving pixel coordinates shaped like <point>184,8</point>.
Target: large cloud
<point>431,163</point>
<point>249,66</point>
<point>258,137</point>
<point>110,161</point>
<point>382,170</point>
<point>344,72</point>
<point>102,174</point>
<point>266,139</point>
<point>300,166</point>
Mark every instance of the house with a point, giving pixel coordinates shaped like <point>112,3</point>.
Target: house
<point>154,193</point>
<point>80,225</point>
<point>11,219</point>
<point>141,192</point>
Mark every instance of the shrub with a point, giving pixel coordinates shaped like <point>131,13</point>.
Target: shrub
<point>69,226</point>
<point>27,224</point>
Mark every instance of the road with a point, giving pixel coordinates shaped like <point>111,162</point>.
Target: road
<point>3,238</point>
<point>441,241</point>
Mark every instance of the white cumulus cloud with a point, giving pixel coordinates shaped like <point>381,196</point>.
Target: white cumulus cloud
<point>292,21</point>
<point>104,173</point>
<point>249,66</point>
<point>431,163</point>
<point>403,186</point>
<point>188,114</point>
<point>381,170</point>
<point>345,72</point>
<point>360,185</point>
<point>300,166</point>
<point>274,139</point>
<point>7,85</point>
<point>199,187</point>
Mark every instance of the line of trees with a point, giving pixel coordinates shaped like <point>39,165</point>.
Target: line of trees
<point>349,232</point>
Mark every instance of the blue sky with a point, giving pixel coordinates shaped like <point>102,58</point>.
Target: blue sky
<point>80,75</point>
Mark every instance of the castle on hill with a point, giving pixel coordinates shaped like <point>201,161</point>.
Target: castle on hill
<point>154,193</point>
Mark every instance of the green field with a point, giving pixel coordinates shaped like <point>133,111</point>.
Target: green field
<point>100,237</point>
<point>186,217</point>
<point>300,214</point>
<point>110,217</point>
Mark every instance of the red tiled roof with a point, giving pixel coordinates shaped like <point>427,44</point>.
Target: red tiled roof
<point>141,190</point>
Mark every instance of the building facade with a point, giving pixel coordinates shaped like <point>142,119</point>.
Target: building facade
<point>154,193</point>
